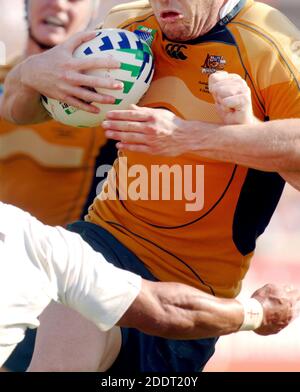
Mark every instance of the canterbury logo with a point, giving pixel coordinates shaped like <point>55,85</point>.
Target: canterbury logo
<point>175,51</point>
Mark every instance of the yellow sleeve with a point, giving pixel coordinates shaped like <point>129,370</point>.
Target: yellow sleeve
<point>272,46</point>
<point>121,14</point>
<point>281,87</point>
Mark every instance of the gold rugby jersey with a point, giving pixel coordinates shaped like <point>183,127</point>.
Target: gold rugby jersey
<point>209,248</point>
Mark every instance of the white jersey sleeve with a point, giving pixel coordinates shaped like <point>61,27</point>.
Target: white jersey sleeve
<point>39,263</point>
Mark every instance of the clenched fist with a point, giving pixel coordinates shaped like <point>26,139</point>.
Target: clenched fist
<point>279,303</point>
<point>232,97</point>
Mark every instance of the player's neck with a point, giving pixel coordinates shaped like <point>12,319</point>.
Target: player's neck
<point>212,19</point>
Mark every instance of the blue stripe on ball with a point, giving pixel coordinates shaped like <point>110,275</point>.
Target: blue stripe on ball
<point>150,73</point>
<point>88,51</point>
<point>107,45</point>
<point>124,43</point>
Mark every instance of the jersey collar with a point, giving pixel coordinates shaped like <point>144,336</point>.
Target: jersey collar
<point>232,12</point>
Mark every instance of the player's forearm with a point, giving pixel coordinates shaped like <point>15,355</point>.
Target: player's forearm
<point>272,146</point>
<point>20,103</point>
<point>178,311</point>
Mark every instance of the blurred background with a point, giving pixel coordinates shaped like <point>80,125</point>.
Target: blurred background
<point>289,7</point>
<point>277,260</point>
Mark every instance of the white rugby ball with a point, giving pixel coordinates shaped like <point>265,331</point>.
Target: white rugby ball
<point>136,72</point>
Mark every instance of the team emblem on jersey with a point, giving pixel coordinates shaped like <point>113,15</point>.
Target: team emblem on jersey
<point>176,51</point>
<point>213,64</point>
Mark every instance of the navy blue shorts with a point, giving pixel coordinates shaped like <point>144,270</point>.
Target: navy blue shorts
<point>140,352</point>
<point>20,358</point>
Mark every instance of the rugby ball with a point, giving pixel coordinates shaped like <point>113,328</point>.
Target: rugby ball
<point>136,72</point>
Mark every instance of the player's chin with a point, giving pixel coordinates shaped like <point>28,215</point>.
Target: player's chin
<point>56,41</point>
<point>52,37</point>
<point>175,33</point>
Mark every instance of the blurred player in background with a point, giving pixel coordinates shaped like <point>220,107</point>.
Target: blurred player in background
<point>48,169</point>
<point>37,158</point>
<point>13,33</point>
<point>209,248</point>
